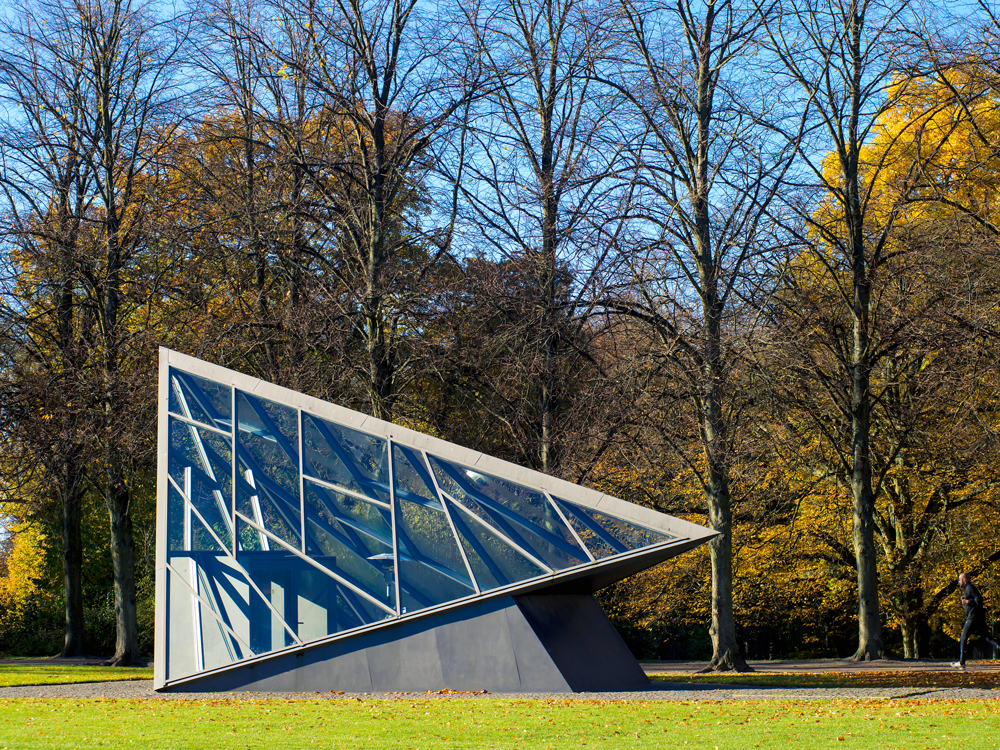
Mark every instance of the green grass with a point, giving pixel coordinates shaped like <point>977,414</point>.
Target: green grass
<point>13,675</point>
<point>426,724</point>
<point>859,679</point>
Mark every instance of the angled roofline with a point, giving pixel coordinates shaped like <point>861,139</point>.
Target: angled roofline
<point>593,499</point>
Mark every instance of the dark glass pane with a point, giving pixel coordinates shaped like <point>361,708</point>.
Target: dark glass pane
<point>269,439</point>
<point>604,531</point>
<point>493,562</point>
<point>599,543</point>
<point>203,400</point>
<point>346,457</point>
<point>412,478</point>
<point>356,536</point>
<point>354,610</point>
<point>524,515</point>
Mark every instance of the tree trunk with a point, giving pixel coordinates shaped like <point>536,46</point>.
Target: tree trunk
<point>869,623</point>
<point>911,647</point>
<point>123,559</point>
<point>73,644</point>
<point>380,368</point>
<point>726,654</point>
<point>725,646</point>
<point>71,489</point>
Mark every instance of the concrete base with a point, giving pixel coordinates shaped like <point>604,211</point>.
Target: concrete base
<point>540,643</point>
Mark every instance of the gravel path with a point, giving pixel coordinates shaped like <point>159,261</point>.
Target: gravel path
<point>662,691</point>
<point>659,691</point>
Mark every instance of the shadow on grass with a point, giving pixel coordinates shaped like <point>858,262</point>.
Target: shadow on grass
<point>17,675</point>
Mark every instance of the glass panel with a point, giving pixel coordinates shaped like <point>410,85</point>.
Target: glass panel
<point>431,566</point>
<point>354,610</point>
<point>597,529</point>
<point>197,638</point>
<point>269,434</point>
<point>493,562</point>
<point>355,535</point>
<point>522,514</point>
<point>175,520</point>
<point>346,457</point>
<point>268,505</point>
<point>208,457</point>
<point>206,401</point>
<point>251,540</point>
<point>200,449</point>
<point>268,490</point>
<point>600,543</point>
<point>226,599</point>
<point>201,537</point>
<point>413,481</point>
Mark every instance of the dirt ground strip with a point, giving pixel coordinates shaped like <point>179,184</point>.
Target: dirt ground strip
<point>658,691</point>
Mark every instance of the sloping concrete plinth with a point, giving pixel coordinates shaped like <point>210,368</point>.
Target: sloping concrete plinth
<point>542,643</point>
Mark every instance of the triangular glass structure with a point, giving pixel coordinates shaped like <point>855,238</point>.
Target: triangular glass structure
<point>285,521</point>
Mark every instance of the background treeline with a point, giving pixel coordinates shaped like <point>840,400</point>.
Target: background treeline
<point>736,261</point>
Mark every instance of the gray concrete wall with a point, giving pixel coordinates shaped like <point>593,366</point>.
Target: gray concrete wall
<point>541,643</point>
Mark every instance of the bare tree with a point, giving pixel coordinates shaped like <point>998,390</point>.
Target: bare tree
<point>391,77</point>
<point>105,67</point>
<point>47,187</point>
<point>547,182</point>
<point>843,59</point>
<point>708,174</point>
<point>250,164</point>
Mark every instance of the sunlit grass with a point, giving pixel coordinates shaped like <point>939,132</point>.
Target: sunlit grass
<point>490,723</point>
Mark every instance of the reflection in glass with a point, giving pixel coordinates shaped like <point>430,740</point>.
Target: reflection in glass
<point>412,478</point>
<point>432,568</point>
<point>523,515</point>
<point>356,535</point>
<point>606,535</point>
<point>346,457</point>
<point>202,400</point>
<point>270,508</point>
<point>199,463</point>
<point>267,488</point>
<point>494,563</point>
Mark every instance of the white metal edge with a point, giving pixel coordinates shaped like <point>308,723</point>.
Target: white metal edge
<point>162,493</point>
<point>585,496</point>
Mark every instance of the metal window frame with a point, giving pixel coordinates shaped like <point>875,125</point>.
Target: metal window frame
<point>681,533</point>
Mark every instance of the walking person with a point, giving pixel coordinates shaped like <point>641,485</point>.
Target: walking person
<point>975,617</point>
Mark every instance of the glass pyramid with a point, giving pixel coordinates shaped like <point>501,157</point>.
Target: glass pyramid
<point>284,521</point>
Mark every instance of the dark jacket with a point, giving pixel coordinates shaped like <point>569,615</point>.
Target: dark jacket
<point>972,601</point>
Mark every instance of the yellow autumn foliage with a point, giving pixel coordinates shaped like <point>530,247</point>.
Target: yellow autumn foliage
<point>23,588</point>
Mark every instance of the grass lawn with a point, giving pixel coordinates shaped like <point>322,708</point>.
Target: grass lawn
<point>12,675</point>
<point>859,679</point>
<point>493,723</point>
